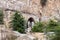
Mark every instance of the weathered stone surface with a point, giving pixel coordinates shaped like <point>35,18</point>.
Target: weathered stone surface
<point>26,37</point>
<point>7,34</point>
<point>52,8</point>
<point>39,36</point>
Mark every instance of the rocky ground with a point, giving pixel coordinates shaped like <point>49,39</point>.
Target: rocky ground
<point>7,34</point>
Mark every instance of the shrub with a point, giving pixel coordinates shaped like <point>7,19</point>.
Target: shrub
<point>1,17</point>
<point>54,26</point>
<point>18,23</point>
<point>38,27</point>
<point>51,26</point>
<point>57,37</point>
<point>57,34</point>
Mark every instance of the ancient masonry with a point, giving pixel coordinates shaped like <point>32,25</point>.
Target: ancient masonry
<point>31,9</point>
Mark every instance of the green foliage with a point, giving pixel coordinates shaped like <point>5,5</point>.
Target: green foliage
<point>52,26</point>
<point>18,23</point>
<point>57,37</point>
<point>1,17</point>
<point>57,32</point>
<point>38,27</point>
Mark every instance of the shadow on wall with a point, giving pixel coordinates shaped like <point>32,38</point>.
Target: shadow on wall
<point>43,3</point>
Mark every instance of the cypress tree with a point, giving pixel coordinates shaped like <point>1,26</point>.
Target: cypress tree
<point>18,23</point>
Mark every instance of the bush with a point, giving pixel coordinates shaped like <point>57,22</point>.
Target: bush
<point>1,17</point>
<point>18,23</point>
<point>57,37</point>
<point>51,26</point>
<point>57,32</point>
<point>38,27</point>
<point>54,26</point>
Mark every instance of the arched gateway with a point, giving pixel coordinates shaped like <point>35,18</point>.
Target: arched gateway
<point>30,22</point>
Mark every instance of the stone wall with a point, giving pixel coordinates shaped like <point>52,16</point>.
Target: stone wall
<point>52,8</point>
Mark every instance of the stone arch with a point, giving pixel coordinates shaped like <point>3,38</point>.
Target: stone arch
<point>30,22</point>
<point>31,19</point>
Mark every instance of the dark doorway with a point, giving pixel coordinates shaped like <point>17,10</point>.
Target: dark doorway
<point>30,22</point>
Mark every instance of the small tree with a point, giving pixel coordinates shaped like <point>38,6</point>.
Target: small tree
<point>18,23</point>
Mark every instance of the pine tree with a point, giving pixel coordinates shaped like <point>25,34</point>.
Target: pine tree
<point>18,23</point>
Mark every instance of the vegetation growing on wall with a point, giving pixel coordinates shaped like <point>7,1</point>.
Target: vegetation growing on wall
<point>52,25</point>
<point>56,29</point>
<point>18,23</point>
<point>1,17</point>
<point>38,27</point>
